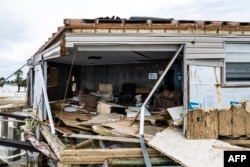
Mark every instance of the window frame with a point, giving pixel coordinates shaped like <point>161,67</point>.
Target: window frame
<point>230,50</point>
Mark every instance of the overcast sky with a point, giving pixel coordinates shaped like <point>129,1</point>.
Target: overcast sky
<point>27,24</point>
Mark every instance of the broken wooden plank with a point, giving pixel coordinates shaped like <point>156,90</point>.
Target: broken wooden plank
<point>108,132</point>
<point>247,121</point>
<point>108,107</point>
<point>202,124</point>
<point>103,118</point>
<point>62,130</point>
<point>53,141</point>
<point>225,122</point>
<point>41,146</point>
<point>238,128</point>
<point>109,152</point>
<point>100,159</point>
<point>157,117</point>
<point>73,116</point>
<point>82,144</point>
<point>155,161</point>
<point>98,137</point>
<point>73,123</point>
<point>124,127</point>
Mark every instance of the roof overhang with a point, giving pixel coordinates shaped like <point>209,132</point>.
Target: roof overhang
<point>109,49</point>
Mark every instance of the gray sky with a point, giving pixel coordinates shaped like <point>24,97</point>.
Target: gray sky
<point>27,24</point>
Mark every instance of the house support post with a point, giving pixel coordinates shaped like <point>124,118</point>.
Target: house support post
<point>144,150</point>
<point>46,100</point>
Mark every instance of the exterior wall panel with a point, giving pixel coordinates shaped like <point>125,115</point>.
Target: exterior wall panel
<point>206,92</point>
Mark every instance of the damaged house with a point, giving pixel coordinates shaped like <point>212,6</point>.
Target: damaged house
<point>142,90</point>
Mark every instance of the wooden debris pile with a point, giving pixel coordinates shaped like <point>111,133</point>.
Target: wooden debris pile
<point>90,137</point>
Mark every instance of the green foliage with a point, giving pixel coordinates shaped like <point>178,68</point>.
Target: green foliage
<point>19,80</point>
<point>30,123</point>
<point>24,83</point>
<point>19,132</point>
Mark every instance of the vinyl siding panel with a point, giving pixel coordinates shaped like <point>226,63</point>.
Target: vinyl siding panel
<point>206,62</point>
<point>197,46</point>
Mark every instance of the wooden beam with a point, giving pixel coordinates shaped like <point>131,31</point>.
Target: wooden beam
<point>53,141</point>
<point>109,152</point>
<point>98,137</point>
<point>62,130</point>
<point>98,156</point>
<point>155,161</point>
<point>82,144</point>
<point>98,159</point>
<point>73,116</point>
<point>46,100</point>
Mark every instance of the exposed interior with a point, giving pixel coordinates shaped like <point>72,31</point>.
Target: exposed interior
<point>91,65</point>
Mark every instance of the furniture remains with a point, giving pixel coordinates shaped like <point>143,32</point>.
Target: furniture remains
<point>167,99</point>
<point>106,91</point>
<point>128,93</point>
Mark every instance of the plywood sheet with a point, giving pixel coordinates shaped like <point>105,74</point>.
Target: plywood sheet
<point>206,153</point>
<point>225,122</point>
<point>238,128</point>
<point>202,124</point>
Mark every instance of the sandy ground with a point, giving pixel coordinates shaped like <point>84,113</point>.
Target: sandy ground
<point>12,97</point>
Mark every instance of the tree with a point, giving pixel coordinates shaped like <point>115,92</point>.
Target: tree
<point>19,79</point>
<point>24,83</point>
<point>2,81</point>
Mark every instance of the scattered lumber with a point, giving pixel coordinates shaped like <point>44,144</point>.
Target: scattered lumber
<point>82,144</point>
<point>98,156</point>
<point>53,141</point>
<point>99,137</point>
<point>108,131</point>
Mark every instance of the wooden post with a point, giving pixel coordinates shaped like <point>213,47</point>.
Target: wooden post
<point>4,127</point>
<point>12,134</point>
<point>46,100</point>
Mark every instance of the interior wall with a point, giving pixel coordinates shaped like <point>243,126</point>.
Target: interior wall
<point>58,92</point>
<point>91,76</point>
<point>138,74</point>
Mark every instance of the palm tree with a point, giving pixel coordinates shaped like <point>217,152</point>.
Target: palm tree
<point>19,79</point>
<point>2,81</point>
